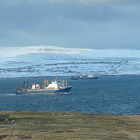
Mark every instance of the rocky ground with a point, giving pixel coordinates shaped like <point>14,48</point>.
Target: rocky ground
<point>15,125</point>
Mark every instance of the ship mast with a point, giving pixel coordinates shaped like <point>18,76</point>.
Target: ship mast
<point>56,79</point>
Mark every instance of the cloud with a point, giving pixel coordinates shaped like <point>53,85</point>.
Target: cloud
<point>87,2</point>
<point>98,1</point>
<point>73,23</point>
<point>25,12</point>
<point>109,1</point>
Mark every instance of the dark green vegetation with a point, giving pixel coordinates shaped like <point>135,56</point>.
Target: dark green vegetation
<point>15,125</point>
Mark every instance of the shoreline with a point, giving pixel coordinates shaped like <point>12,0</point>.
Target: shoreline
<point>68,76</point>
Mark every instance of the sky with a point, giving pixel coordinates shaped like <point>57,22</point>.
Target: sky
<point>93,24</point>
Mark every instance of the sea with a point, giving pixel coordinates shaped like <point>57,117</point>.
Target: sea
<point>107,94</point>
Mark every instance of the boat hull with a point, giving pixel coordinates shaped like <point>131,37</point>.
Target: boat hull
<point>44,91</point>
<point>74,78</point>
<point>89,77</point>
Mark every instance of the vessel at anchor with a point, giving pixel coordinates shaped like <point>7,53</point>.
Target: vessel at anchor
<point>91,76</point>
<point>52,88</point>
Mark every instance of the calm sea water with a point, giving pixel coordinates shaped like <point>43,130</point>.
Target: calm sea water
<point>108,94</point>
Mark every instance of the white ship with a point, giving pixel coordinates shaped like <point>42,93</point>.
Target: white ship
<point>52,88</point>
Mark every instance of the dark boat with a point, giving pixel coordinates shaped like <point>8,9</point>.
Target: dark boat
<point>75,77</point>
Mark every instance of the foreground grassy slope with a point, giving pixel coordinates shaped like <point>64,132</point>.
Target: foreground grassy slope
<point>67,126</point>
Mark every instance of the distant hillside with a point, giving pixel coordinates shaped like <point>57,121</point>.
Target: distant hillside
<point>49,61</point>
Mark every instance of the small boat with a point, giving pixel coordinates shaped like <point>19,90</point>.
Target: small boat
<point>91,76</point>
<point>75,77</point>
<point>52,88</point>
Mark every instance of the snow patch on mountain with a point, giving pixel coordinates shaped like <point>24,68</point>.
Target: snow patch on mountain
<point>118,53</point>
<point>86,53</point>
<point>16,51</point>
<point>35,61</point>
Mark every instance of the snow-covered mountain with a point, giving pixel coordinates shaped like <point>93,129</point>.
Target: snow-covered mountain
<point>50,61</point>
<point>15,51</point>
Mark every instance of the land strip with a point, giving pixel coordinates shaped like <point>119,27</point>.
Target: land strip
<point>16,125</point>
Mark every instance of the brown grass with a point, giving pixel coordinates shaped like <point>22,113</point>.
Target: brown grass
<point>67,126</point>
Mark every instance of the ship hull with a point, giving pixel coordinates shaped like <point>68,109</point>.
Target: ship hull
<point>74,78</point>
<point>88,78</point>
<point>44,91</point>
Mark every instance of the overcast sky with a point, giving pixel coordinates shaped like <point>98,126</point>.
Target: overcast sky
<point>94,24</point>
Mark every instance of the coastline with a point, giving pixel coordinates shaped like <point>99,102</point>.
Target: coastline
<point>68,125</point>
<point>66,76</point>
